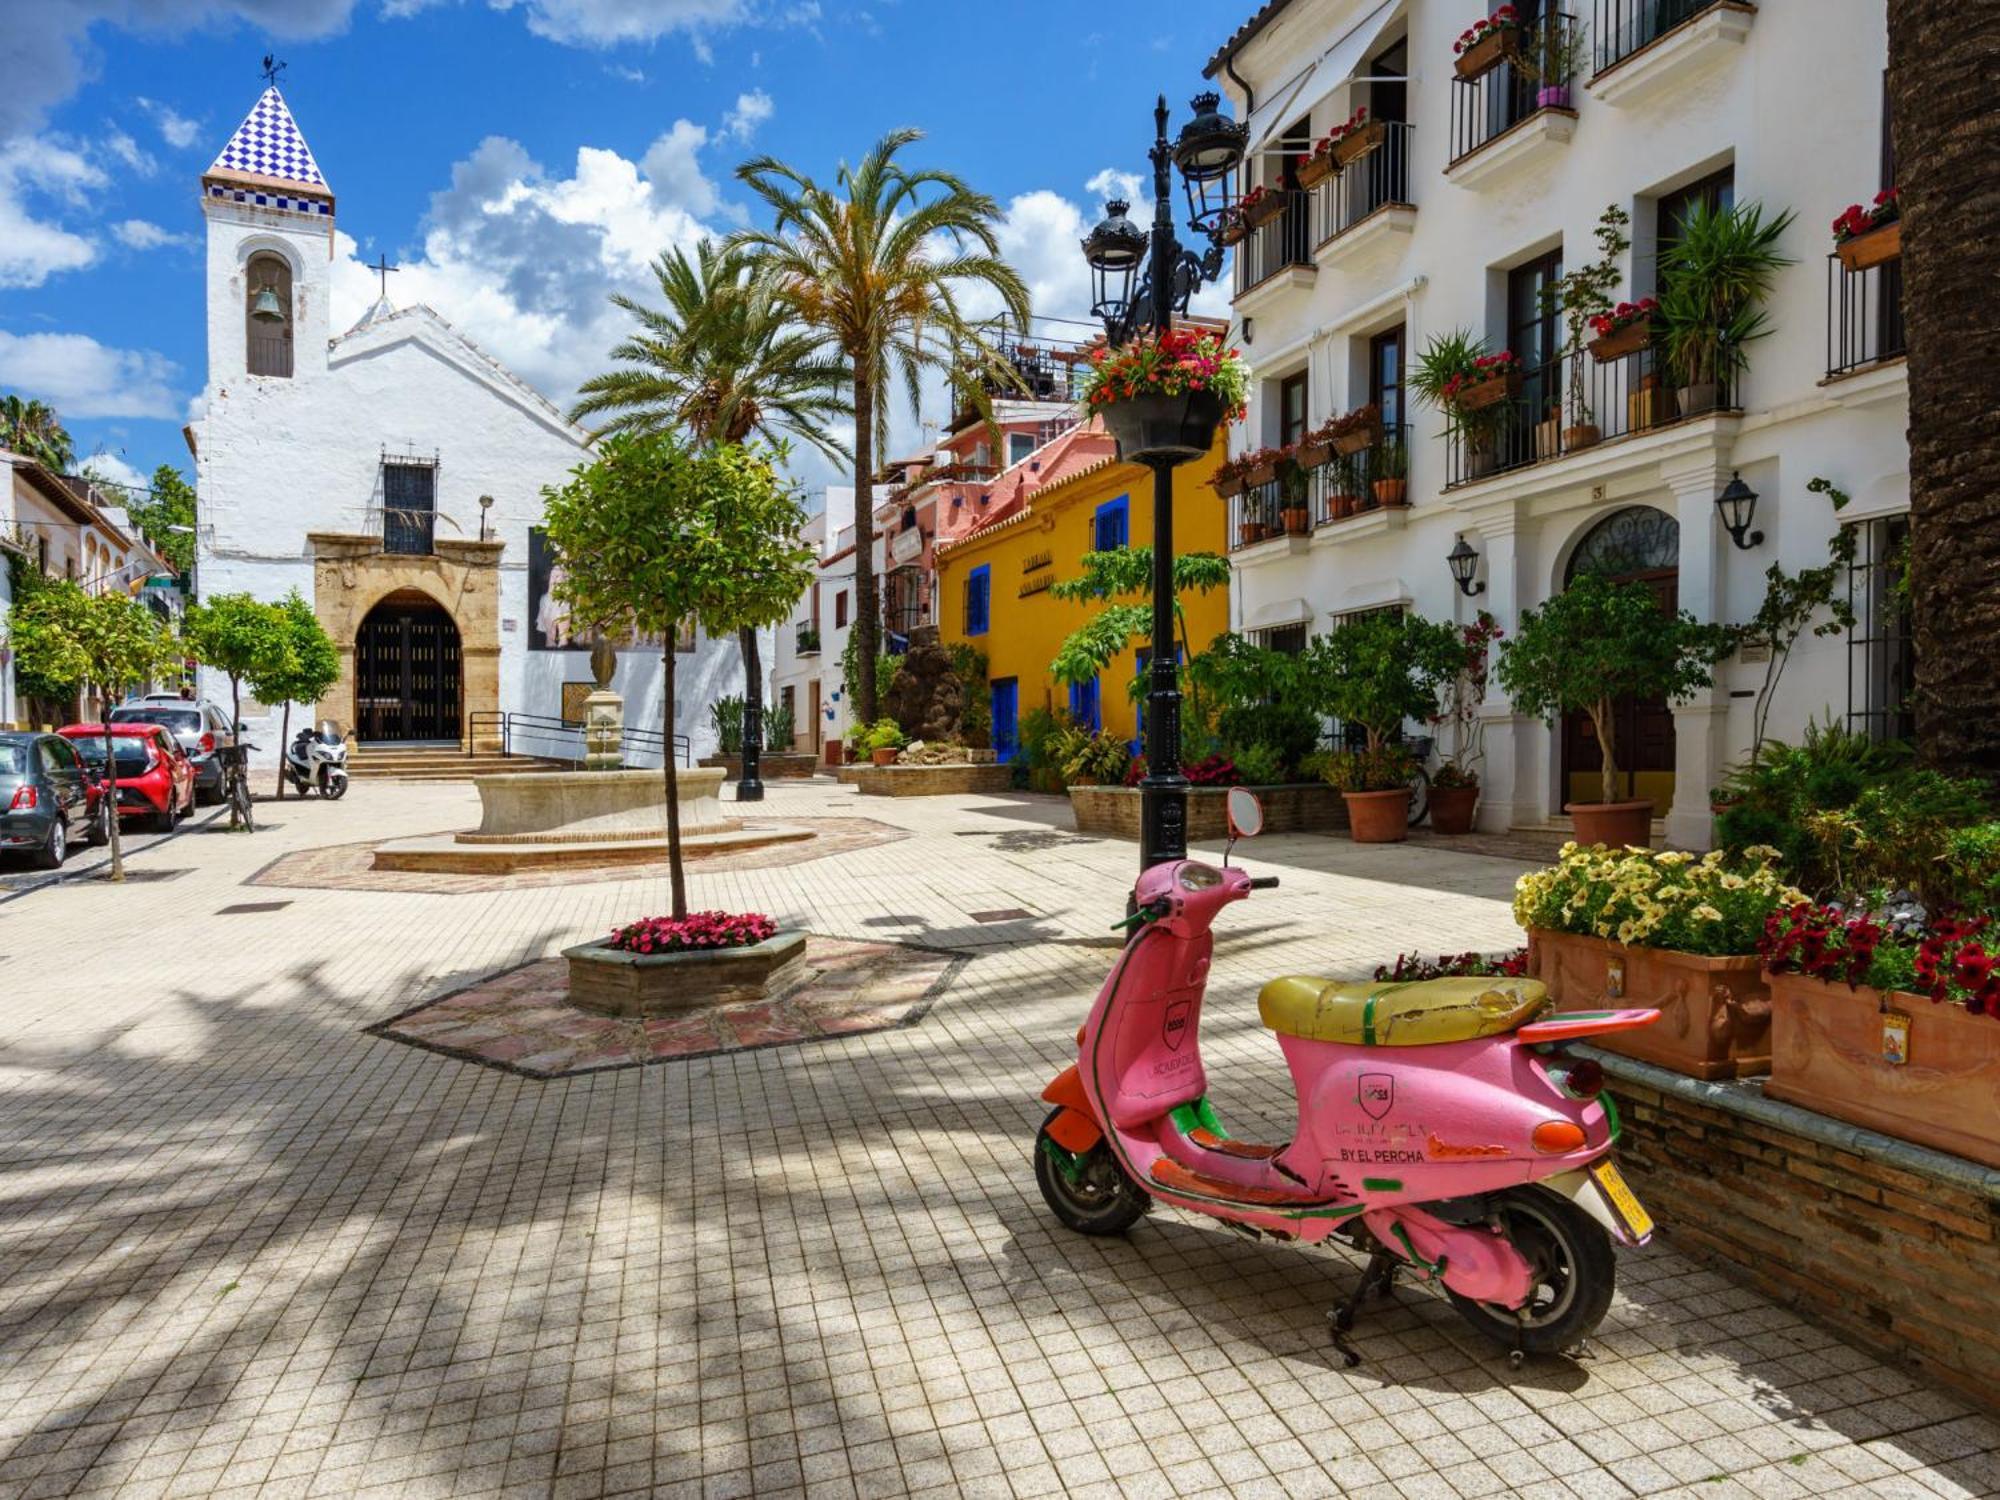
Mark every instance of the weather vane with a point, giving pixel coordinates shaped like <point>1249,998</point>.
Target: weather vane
<point>272,68</point>
<point>382,268</point>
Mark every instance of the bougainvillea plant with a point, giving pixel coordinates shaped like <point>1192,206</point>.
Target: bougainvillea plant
<point>1214,770</point>
<point>1174,363</point>
<point>1855,219</point>
<point>1624,315</point>
<point>1944,958</point>
<point>1506,18</point>
<point>1412,966</point>
<point>697,930</point>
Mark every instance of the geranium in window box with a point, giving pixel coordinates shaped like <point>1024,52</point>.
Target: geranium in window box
<point>1231,478</point>
<point>1889,1019</point>
<point>1163,395</point>
<point>1492,379</point>
<point>1864,237</point>
<point>1357,138</point>
<point>1260,466</point>
<point>1486,44</point>
<point>1626,329</point>
<point>1260,206</point>
<point>660,965</point>
<point>1357,431</point>
<point>1316,168</point>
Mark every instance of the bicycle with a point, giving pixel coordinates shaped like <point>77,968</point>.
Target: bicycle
<point>1420,748</point>
<point>236,785</point>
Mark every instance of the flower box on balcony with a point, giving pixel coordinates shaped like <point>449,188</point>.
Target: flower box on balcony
<point>1316,169</point>
<point>1314,455</point>
<point>1233,232</point>
<point>1358,142</point>
<point>1499,44</point>
<point>1229,485</point>
<point>1900,1064</point>
<point>1359,440</point>
<point>1630,339</point>
<point>1489,392</point>
<point>1878,246</point>
<point>1258,212</point>
<point>1263,473</point>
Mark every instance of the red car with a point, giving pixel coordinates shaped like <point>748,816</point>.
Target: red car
<point>155,776</point>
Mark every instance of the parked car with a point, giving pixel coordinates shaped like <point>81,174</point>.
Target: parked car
<point>48,799</point>
<point>199,726</point>
<point>155,776</point>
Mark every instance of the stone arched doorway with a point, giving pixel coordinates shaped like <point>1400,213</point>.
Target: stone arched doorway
<point>407,671</point>
<point>1636,544</point>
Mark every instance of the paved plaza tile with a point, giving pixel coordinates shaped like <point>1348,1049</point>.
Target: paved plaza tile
<point>251,1247</point>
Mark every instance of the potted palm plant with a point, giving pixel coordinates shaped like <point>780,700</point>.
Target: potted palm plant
<point>1597,642</point>
<point>1455,375</point>
<point>1714,277</point>
<point>1163,394</point>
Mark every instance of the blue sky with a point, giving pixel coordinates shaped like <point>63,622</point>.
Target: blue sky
<point>521,158</point>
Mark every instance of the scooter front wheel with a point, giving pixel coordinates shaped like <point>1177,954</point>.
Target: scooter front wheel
<point>1575,1270</point>
<point>1089,1193</point>
<point>331,787</point>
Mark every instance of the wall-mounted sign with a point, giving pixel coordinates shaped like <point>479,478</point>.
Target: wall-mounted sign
<point>1038,585</point>
<point>1037,562</point>
<point>906,546</point>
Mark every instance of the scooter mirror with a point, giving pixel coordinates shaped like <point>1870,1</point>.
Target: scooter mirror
<point>1246,813</point>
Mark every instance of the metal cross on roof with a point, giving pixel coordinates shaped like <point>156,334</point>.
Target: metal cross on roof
<point>382,268</point>
<point>271,69</point>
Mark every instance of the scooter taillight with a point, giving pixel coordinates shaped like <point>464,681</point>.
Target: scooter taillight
<point>1583,1079</point>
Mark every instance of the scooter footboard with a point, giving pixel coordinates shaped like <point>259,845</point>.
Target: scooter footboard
<point>1470,1259</point>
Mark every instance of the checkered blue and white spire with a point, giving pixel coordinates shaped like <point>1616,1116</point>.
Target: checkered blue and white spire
<point>268,144</point>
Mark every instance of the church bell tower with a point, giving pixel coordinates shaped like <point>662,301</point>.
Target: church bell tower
<point>270,251</point>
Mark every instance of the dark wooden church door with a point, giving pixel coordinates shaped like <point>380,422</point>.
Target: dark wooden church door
<point>406,672</point>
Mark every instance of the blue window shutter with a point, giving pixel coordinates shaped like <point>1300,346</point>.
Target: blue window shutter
<point>978,598</point>
<point>1110,528</point>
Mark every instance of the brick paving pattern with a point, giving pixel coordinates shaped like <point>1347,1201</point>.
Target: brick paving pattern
<point>249,1249</point>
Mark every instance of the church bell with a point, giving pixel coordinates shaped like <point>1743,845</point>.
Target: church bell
<point>267,308</point>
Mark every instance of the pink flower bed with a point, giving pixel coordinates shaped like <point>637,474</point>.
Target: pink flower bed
<point>697,930</point>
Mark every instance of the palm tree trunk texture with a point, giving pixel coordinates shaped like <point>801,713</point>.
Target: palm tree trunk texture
<point>677,875</point>
<point>867,612</point>
<point>1943,57</point>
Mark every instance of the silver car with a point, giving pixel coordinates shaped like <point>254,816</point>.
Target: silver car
<point>199,726</point>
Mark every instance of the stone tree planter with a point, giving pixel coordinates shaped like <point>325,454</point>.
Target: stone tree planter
<point>1827,1054</point>
<point>1301,807</point>
<point>1715,1013</point>
<point>609,982</point>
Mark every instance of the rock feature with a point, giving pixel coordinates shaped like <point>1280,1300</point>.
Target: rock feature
<point>926,699</point>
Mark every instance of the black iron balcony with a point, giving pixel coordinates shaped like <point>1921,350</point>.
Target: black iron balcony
<point>1277,243</point>
<point>1376,181</point>
<point>805,639</point>
<point>1864,316</point>
<point>1540,421</point>
<point>1628,26</point>
<point>1537,75</point>
<point>1376,478</point>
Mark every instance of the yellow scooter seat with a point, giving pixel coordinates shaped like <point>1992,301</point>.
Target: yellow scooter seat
<point>1377,1013</point>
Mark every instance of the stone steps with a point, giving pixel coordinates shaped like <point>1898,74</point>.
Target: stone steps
<point>443,765</point>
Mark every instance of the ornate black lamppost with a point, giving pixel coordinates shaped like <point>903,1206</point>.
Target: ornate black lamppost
<point>750,787</point>
<point>1160,431</point>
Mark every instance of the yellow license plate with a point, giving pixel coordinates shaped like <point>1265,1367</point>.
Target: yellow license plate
<point>1624,1202</point>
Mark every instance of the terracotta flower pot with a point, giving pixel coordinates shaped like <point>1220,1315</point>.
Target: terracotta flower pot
<point>1620,342</point>
<point>1298,520</point>
<point>1715,1013</point>
<point>1314,170</point>
<point>1378,817</point>
<point>1486,54</point>
<point>1882,243</point>
<point>1827,1054</point>
<point>1340,507</point>
<point>1694,400</point>
<point>1613,824</point>
<point>1452,808</point>
<point>1390,493</point>
<point>1584,435</point>
<point>886,756</point>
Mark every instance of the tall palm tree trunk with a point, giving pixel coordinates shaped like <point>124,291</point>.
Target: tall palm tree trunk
<point>1943,57</point>
<point>867,611</point>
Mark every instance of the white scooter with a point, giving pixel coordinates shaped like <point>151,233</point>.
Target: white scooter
<point>317,758</point>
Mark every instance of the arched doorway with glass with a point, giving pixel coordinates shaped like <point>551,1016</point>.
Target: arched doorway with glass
<point>1636,544</point>
<point>407,672</point>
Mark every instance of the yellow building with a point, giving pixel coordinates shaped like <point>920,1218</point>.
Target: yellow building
<point>994,585</point>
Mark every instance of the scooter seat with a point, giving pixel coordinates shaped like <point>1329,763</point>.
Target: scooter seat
<point>1381,1014</point>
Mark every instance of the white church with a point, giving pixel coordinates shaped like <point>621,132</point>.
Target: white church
<point>391,472</point>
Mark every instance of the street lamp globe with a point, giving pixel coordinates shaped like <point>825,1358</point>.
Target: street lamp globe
<point>1114,250</point>
<point>1210,149</point>
<point>1738,505</point>
<point>1464,563</point>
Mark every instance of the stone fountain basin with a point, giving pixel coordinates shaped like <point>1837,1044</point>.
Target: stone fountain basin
<point>589,807</point>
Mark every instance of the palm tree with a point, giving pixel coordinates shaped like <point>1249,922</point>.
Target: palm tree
<point>34,429</point>
<point>722,361</point>
<point>878,266</point>
<point>1947,154</point>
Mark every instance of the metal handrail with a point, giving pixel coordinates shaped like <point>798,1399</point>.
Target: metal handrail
<point>1864,316</point>
<point>1485,108</point>
<point>1628,26</point>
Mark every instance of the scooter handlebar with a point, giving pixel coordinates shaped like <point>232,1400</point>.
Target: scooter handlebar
<point>1263,882</point>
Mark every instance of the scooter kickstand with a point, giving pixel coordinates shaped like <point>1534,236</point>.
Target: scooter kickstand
<point>1378,1278</point>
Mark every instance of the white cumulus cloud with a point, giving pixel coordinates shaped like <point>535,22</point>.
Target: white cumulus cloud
<point>82,378</point>
<point>176,129</point>
<point>142,234</point>
<point>751,110</point>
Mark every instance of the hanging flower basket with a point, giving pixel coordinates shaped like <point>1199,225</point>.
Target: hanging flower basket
<point>1229,485</point>
<point>1233,231</point>
<point>1262,206</point>
<point>1164,395</point>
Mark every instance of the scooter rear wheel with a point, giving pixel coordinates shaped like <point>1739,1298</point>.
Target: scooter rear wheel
<point>1575,1271</point>
<point>1089,1193</point>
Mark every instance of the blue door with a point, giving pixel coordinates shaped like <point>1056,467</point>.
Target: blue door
<point>1006,718</point>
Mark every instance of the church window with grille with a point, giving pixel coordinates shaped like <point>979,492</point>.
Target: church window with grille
<point>409,506</point>
<point>267,315</point>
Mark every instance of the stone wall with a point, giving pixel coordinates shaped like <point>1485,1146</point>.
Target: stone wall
<point>1308,807</point>
<point>1892,1244</point>
<point>927,781</point>
<point>772,765</point>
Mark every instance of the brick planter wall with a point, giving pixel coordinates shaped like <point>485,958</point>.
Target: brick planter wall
<point>1307,807</point>
<point>928,781</point>
<point>1892,1244</point>
<point>772,765</point>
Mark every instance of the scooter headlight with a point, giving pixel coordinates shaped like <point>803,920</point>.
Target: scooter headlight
<point>1199,877</point>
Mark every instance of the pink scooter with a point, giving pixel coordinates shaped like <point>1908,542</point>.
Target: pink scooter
<point>1441,1127</point>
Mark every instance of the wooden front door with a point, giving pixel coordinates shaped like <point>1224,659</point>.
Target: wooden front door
<point>406,672</point>
<point>813,713</point>
<point>1636,544</point>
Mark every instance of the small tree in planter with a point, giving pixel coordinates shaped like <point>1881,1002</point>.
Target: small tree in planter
<point>1378,671</point>
<point>1455,785</point>
<point>1587,647</point>
<point>659,534</point>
